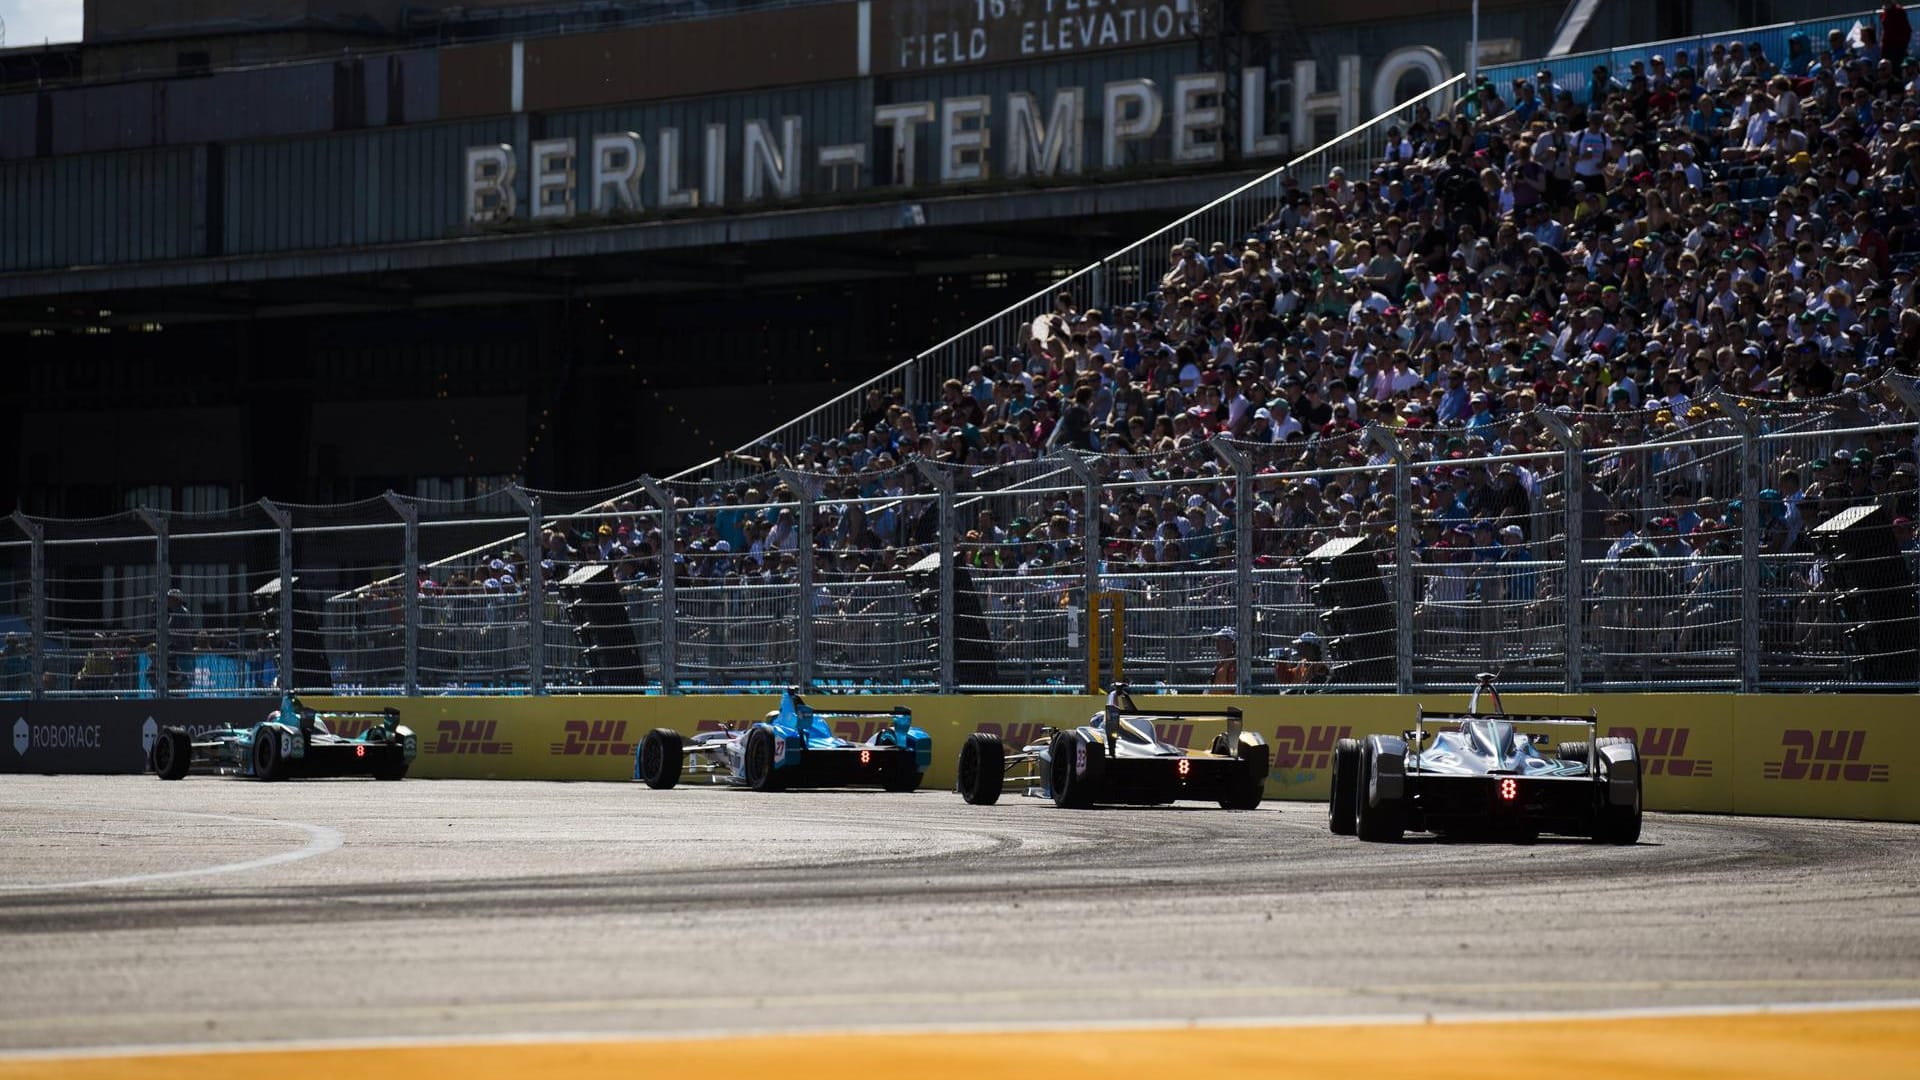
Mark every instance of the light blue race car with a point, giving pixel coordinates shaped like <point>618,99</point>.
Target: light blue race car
<point>792,747</point>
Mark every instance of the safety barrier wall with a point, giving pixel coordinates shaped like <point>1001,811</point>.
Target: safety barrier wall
<point>1818,756</point>
<point>1807,756</point>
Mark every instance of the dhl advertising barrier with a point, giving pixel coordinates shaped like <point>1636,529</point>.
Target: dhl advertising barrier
<point>1814,756</point>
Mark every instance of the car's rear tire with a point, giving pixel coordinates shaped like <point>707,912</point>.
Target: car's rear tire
<point>1618,824</point>
<point>172,753</point>
<point>1341,807</point>
<point>1078,766</point>
<point>761,773</point>
<point>1250,784</point>
<point>1384,823</point>
<point>267,762</point>
<point>983,769</point>
<point>1574,751</point>
<point>392,765</point>
<point>661,758</point>
<point>907,776</point>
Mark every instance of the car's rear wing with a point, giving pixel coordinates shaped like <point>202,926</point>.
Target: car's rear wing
<point>1120,706</point>
<point>291,705</point>
<point>1591,721</point>
<point>797,712</point>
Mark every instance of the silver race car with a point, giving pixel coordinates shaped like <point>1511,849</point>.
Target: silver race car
<point>1118,757</point>
<point>1480,774</point>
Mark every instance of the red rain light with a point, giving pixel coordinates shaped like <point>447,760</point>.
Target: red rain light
<point>866,757</point>
<point>359,751</point>
<point>1509,789</point>
<point>1184,767</point>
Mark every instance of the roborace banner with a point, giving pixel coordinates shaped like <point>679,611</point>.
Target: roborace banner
<point>109,736</point>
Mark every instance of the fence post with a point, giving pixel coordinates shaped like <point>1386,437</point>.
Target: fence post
<point>1907,389</point>
<point>1090,546</point>
<point>162,579</point>
<point>803,489</point>
<point>283,521</point>
<point>36,534</point>
<point>1243,583</point>
<point>669,574</point>
<point>1404,578</point>
<point>1749,541</point>
<point>409,591</point>
<point>536,577</point>
<point>1573,489</point>
<point>949,551</point>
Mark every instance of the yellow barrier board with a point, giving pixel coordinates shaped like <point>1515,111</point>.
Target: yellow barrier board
<point>1804,755</point>
<point>1828,757</point>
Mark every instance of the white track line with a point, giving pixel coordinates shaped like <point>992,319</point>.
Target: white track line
<point>320,841</point>
<point>413,1042</point>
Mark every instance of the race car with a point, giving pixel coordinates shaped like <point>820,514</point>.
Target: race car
<point>792,747</point>
<point>1482,776</point>
<point>293,741</point>
<point>1118,757</point>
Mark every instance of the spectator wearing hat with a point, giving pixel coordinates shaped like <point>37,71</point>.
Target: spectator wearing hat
<point>1307,666</point>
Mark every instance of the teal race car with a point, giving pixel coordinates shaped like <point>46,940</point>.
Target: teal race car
<point>292,741</point>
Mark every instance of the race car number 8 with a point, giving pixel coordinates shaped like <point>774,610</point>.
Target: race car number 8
<point>866,757</point>
<point>1509,789</point>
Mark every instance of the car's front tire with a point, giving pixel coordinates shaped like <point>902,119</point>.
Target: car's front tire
<point>661,758</point>
<point>762,775</point>
<point>983,769</point>
<point>172,753</point>
<point>267,762</point>
<point>1078,765</point>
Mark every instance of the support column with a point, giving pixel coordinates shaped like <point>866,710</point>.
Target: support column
<point>283,521</point>
<point>669,576</point>
<point>949,551</point>
<point>1750,526</point>
<point>409,591</point>
<point>36,534</point>
<point>803,489</point>
<point>1089,544</point>
<point>1404,578</point>
<point>162,579</point>
<point>1243,583</point>
<point>536,578</point>
<point>1573,488</point>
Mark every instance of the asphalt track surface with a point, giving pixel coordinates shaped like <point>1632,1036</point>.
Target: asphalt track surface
<point>140,913</point>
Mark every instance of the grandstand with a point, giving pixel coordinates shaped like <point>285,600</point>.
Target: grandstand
<point>1583,356</point>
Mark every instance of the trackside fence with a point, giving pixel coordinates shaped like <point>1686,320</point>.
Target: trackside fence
<point>1592,551</point>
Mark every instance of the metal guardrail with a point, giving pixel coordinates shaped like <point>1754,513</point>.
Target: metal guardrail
<point>185,605</point>
<point>1572,71</point>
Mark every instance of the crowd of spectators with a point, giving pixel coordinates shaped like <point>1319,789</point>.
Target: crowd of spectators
<point>1609,261</point>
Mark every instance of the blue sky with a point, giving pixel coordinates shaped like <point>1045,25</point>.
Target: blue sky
<point>30,22</point>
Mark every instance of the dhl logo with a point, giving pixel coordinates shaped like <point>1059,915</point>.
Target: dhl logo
<point>859,730</point>
<point>1307,748</point>
<point>468,737</point>
<point>1664,750</point>
<point>1826,755</point>
<point>594,738</point>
